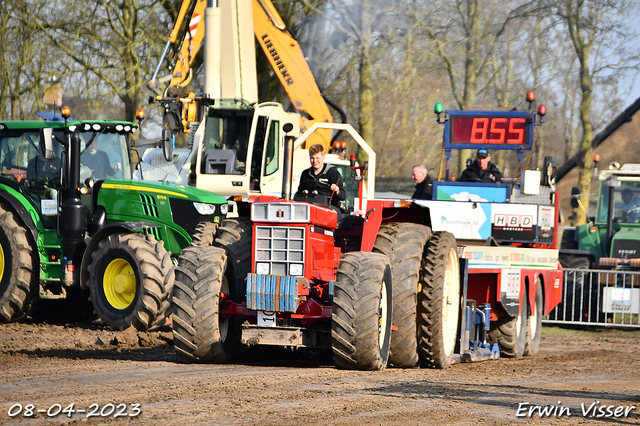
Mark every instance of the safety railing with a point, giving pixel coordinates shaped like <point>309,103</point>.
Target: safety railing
<point>598,298</point>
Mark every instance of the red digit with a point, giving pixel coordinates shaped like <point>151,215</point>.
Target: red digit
<point>501,131</point>
<point>519,132</point>
<point>476,129</point>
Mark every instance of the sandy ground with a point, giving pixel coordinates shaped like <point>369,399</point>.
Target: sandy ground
<point>133,377</point>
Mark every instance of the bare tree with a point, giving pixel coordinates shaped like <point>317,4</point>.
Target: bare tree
<point>112,43</point>
<point>465,36</point>
<point>598,34</point>
<point>24,68</point>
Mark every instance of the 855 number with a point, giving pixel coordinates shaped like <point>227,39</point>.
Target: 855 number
<point>483,127</point>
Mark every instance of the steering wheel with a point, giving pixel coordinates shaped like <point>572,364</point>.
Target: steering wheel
<point>309,191</point>
<point>633,215</point>
<point>311,185</point>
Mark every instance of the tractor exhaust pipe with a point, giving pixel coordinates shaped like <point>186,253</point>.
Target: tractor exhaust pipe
<point>612,183</point>
<point>287,166</point>
<point>74,215</point>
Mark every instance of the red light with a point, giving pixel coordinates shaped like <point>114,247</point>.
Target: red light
<point>531,97</point>
<point>352,157</point>
<point>542,110</point>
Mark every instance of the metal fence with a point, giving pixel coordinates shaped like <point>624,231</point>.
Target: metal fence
<point>598,298</point>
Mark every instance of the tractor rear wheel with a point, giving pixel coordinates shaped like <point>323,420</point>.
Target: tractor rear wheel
<point>534,324</point>
<point>200,334</point>
<point>362,310</point>
<point>18,274</point>
<point>130,281</point>
<point>511,335</point>
<point>403,244</point>
<point>577,289</point>
<point>440,301</point>
<point>204,234</point>
<point>568,240</point>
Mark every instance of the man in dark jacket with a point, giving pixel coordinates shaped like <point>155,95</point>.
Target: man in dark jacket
<point>482,169</point>
<point>424,183</point>
<point>331,183</point>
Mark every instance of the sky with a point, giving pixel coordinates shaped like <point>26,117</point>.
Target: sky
<point>635,92</point>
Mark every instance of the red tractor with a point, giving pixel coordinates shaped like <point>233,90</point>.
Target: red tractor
<point>381,288</point>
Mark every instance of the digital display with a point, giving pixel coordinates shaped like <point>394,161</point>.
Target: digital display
<point>511,130</point>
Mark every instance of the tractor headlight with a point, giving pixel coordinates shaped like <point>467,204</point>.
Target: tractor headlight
<point>262,268</point>
<point>295,269</point>
<point>205,209</point>
<point>224,208</point>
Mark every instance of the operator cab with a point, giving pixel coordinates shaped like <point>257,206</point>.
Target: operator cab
<point>626,202</point>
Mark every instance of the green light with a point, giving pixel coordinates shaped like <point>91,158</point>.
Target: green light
<point>438,108</point>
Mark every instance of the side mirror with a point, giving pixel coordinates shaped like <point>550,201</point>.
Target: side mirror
<point>287,127</point>
<point>46,143</point>
<point>575,193</point>
<point>167,144</point>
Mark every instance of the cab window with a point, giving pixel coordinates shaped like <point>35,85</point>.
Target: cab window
<point>272,150</point>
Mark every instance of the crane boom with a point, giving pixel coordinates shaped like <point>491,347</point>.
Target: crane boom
<point>281,49</point>
<point>289,64</point>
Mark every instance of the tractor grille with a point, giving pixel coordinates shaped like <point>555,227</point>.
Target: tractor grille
<point>279,250</point>
<point>625,249</point>
<point>149,205</point>
<point>186,216</point>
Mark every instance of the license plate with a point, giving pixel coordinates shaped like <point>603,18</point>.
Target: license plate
<point>266,318</point>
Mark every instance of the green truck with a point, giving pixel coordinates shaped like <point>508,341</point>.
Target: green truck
<point>73,224</point>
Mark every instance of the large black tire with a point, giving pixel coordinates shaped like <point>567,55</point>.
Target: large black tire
<point>440,302</point>
<point>199,333</point>
<point>204,234</point>
<point>234,235</point>
<point>130,281</point>
<point>576,287</point>
<point>534,323</point>
<point>18,272</point>
<point>362,310</point>
<point>511,335</point>
<point>403,244</point>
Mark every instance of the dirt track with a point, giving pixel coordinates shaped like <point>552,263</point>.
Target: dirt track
<point>44,365</point>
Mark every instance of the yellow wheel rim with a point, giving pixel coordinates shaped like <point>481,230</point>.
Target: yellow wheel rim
<point>1,262</point>
<point>119,284</point>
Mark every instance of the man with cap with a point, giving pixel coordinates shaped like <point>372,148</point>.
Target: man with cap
<point>482,169</point>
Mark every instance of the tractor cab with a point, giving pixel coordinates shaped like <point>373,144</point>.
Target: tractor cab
<point>41,175</point>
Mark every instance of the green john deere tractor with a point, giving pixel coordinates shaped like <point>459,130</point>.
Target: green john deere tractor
<point>74,225</point>
<point>611,240</point>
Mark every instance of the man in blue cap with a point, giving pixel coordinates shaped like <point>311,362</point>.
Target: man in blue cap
<point>482,169</point>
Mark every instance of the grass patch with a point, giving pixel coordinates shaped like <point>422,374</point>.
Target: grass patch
<point>582,331</point>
